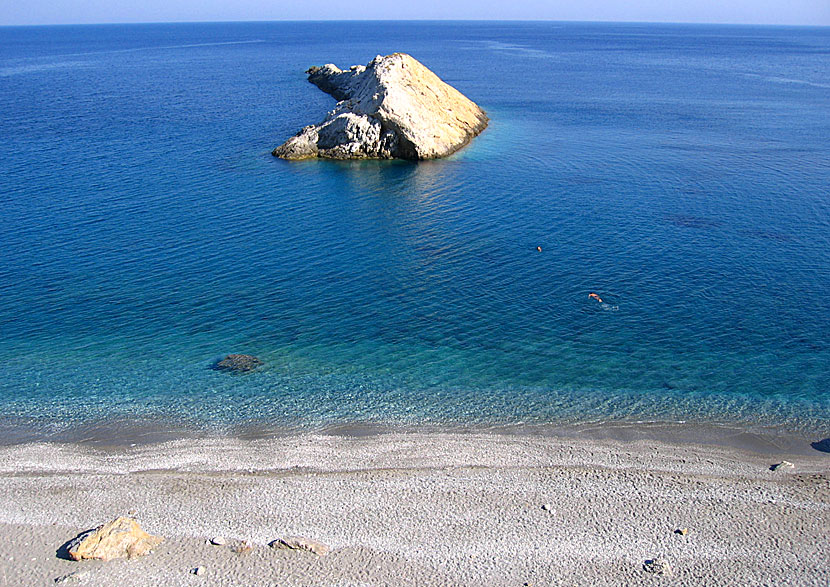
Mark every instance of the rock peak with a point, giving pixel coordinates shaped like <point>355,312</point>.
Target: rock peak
<point>393,107</point>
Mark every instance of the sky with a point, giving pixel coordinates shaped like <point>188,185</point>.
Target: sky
<point>793,12</point>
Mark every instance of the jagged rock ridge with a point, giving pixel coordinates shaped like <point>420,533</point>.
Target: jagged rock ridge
<point>394,107</point>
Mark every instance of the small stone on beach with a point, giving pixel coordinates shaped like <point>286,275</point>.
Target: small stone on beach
<point>300,543</point>
<point>682,531</point>
<point>243,548</point>
<point>782,465</point>
<point>72,577</point>
<point>218,541</point>
<point>657,566</point>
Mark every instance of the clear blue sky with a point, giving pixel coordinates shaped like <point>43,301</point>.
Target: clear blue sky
<point>806,12</point>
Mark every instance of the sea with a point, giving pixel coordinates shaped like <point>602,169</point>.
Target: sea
<point>679,172</point>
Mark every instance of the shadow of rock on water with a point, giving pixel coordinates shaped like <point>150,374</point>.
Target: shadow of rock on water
<point>822,445</point>
<point>63,551</point>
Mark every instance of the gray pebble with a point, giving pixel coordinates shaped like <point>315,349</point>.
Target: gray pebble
<point>658,566</point>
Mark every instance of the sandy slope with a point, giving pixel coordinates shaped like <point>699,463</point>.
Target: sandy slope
<point>422,509</point>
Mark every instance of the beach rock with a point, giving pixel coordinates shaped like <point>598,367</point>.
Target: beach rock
<point>394,107</point>
<point>218,541</point>
<point>120,538</point>
<point>300,543</point>
<point>657,566</point>
<point>682,531</point>
<point>238,364</point>
<point>782,465</point>
<point>75,577</point>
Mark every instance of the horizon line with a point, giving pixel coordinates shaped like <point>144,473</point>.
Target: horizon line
<point>423,20</point>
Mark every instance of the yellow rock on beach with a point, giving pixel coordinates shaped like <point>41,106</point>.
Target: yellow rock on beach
<point>120,538</point>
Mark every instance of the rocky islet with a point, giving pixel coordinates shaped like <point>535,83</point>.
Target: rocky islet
<point>392,108</point>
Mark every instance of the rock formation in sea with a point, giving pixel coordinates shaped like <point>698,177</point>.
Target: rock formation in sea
<point>394,107</point>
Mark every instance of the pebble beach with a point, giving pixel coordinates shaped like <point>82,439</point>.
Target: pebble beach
<point>422,509</point>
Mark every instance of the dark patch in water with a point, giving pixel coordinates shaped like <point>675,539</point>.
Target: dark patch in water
<point>582,179</point>
<point>689,221</point>
<point>822,445</point>
<point>237,364</point>
<point>781,237</point>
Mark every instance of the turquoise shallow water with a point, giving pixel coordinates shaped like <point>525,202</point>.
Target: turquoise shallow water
<point>681,172</point>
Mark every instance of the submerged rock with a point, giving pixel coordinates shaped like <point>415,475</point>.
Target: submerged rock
<point>238,363</point>
<point>120,538</point>
<point>394,107</point>
<point>300,543</point>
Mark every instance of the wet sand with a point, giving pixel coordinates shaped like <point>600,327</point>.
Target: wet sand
<point>427,509</point>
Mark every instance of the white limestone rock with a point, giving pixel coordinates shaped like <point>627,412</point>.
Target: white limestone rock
<point>393,108</point>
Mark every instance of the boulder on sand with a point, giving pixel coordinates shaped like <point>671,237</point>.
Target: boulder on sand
<point>120,538</point>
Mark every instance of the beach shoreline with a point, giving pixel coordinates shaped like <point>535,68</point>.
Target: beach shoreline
<point>423,508</point>
<point>117,434</point>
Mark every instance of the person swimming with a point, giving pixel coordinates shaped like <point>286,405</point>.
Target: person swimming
<point>595,296</point>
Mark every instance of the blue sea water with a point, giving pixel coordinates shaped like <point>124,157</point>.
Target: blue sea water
<point>681,172</point>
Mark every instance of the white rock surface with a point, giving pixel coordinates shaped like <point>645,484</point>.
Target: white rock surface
<point>395,107</point>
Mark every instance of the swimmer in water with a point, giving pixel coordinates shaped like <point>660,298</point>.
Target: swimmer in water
<point>539,249</point>
<point>595,296</point>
